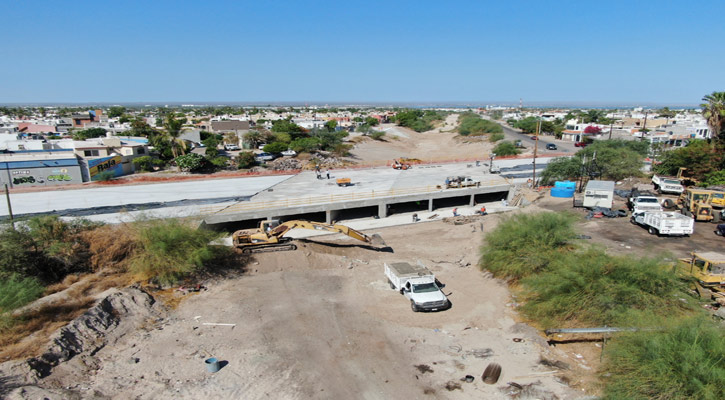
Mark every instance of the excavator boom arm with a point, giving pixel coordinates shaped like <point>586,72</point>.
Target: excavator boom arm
<point>285,227</point>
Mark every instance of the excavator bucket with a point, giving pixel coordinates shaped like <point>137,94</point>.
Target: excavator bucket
<point>377,240</point>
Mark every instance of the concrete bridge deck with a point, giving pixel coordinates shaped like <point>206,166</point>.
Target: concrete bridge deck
<point>376,192</point>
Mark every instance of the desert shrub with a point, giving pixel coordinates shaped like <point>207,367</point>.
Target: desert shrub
<point>685,361</point>
<point>18,291</point>
<point>495,137</point>
<point>105,176</point>
<point>594,288</point>
<point>377,135</point>
<point>505,148</point>
<point>109,246</point>
<point>472,124</point>
<point>171,250</point>
<point>245,160</point>
<point>524,244</point>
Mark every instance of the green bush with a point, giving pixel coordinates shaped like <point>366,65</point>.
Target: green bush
<point>495,137</point>
<point>305,145</point>
<point>219,161</point>
<point>472,124</point>
<point>245,159</point>
<point>686,361</point>
<point>17,291</point>
<point>144,163</point>
<point>275,147</point>
<point>524,244</point>
<point>105,176</point>
<point>505,148</point>
<point>171,250</point>
<point>191,162</point>
<point>593,288</point>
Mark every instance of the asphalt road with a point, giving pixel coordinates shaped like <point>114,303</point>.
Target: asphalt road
<point>515,134</point>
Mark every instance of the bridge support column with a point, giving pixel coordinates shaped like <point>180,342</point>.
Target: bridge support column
<point>331,215</point>
<point>472,202</point>
<point>510,194</point>
<point>430,204</point>
<point>382,210</point>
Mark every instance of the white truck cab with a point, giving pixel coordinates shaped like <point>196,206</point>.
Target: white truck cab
<point>418,284</point>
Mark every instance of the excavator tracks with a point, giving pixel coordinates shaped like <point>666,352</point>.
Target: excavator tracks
<point>269,248</point>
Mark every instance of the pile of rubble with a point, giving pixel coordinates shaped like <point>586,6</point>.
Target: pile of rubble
<point>284,164</point>
<point>325,161</point>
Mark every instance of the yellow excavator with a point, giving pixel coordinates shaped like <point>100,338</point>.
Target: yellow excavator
<point>270,236</point>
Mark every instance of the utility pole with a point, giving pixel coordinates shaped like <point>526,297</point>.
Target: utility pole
<point>644,126</point>
<point>611,124</point>
<point>536,147</point>
<point>10,207</point>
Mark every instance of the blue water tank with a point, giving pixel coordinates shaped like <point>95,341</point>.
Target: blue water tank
<point>565,185</point>
<point>561,192</point>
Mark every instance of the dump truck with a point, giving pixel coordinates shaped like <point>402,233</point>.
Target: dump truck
<point>272,235</point>
<point>667,184</point>
<point>418,284</point>
<point>664,223</point>
<point>461,182</point>
<point>708,271</point>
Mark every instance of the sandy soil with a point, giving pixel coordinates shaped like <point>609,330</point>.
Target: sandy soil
<point>441,143</point>
<point>321,322</point>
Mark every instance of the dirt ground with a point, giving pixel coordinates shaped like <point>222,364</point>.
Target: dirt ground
<point>441,143</point>
<point>322,322</point>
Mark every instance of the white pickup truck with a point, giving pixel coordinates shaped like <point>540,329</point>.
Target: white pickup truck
<point>664,223</point>
<point>666,184</point>
<point>418,284</point>
<point>644,203</point>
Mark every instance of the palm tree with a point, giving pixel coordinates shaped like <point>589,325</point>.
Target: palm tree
<point>714,112</point>
<point>173,130</point>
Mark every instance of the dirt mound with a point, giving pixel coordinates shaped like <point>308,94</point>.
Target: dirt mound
<point>118,313</point>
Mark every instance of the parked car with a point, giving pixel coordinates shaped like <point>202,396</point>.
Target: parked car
<point>581,144</point>
<point>519,144</point>
<point>261,146</point>
<point>551,146</point>
<point>289,153</point>
<point>418,284</point>
<point>264,157</point>
<point>231,147</point>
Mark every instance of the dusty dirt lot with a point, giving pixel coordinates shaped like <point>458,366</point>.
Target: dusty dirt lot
<point>441,143</point>
<point>321,322</point>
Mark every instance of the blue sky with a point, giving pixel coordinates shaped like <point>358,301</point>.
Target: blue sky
<point>622,52</point>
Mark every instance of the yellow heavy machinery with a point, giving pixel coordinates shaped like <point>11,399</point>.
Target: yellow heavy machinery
<point>708,271</point>
<point>686,178</point>
<point>695,203</point>
<point>271,235</point>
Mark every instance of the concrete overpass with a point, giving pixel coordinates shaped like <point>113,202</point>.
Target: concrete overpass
<point>375,193</point>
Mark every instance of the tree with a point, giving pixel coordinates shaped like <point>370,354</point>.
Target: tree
<point>254,138</point>
<point>592,116</point>
<point>287,126</point>
<point>116,111</point>
<point>714,112</point>
<point>144,163</point>
<point>305,145</point>
<point>191,162</point>
<point>231,138</point>
<point>372,121</point>
<point>699,157</point>
<point>173,130</point>
<point>331,125</point>
<point>275,147</point>
<point>89,133</point>
<point>245,160</point>
<point>505,148</point>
